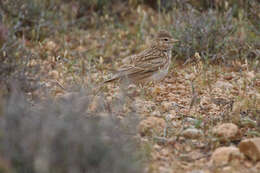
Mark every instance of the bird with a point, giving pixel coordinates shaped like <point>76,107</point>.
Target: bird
<point>152,64</point>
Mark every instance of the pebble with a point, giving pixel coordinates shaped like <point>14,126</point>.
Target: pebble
<point>224,155</point>
<point>251,148</point>
<point>150,125</point>
<point>192,133</point>
<point>226,131</point>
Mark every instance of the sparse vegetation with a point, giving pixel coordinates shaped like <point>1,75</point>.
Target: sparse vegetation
<point>55,116</point>
<point>61,136</point>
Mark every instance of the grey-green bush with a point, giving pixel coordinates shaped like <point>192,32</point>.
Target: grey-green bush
<point>61,137</point>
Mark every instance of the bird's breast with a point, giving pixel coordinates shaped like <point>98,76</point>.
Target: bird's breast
<point>168,54</point>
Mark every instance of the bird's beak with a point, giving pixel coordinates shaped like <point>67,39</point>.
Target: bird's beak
<point>174,40</point>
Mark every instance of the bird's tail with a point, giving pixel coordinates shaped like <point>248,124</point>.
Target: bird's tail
<point>114,78</point>
<point>101,85</point>
<point>110,80</point>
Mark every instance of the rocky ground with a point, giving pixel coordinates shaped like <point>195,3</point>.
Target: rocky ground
<point>200,118</point>
<point>204,117</point>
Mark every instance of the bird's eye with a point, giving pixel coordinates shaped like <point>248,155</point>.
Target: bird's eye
<point>166,39</point>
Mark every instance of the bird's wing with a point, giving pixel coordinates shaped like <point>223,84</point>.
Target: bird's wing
<point>142,56</point>
<point>140,66</point>
<point>143,67</point>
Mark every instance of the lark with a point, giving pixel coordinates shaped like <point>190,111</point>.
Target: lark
<point>150,65</point>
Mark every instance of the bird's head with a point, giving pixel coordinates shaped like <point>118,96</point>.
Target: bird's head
<point>164,40</point>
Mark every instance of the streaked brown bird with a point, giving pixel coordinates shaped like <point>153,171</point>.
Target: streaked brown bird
<point>152,64</point>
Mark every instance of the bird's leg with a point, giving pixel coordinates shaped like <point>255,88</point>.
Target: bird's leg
<point>142,88</point>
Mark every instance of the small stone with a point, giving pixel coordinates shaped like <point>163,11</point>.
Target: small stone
<point>191,120</point>
<point>226,131</point>
<point>32,63</point>
<point>227,169</point>
<point>190,76</point>
<point>166,106</point>
<point>251,148</point>
<point>51,45</point>
<point>197,171</point>
<point>224,155</point>
<point>150,125</point>
<point>222,84</point>
<point>192,133</point>
<point>169,117</point>
<point>132,90</point>
<point>54,74</point>
<point>250,75</point>
<point>157,147</point>
<point>156,113</point>
<point>257,166</point>
<point>164,169</point>
<point>228,77</point>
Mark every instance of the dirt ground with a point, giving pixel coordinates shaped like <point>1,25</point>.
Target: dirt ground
<point>194,120</point>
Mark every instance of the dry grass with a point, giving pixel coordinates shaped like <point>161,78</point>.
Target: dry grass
<point>78,49</point>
